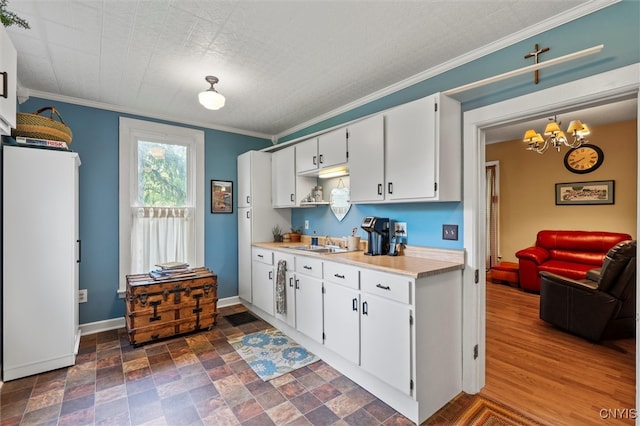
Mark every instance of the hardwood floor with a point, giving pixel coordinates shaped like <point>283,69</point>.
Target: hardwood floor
<point>552,376</point>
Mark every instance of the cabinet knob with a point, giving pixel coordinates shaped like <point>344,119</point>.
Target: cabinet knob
<point>270,275</point>
<point>314,161</point>
<point>291,282</point>
<point>5,84</point>
<point>390,187</point>
<point>297,284</point>
<point>354,304</point>
<point>321,159</point>
<point>292,196</point>
<point>365,308</point>
<point>379,189</point>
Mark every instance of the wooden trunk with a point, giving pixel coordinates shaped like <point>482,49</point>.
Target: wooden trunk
<point>157,309</point>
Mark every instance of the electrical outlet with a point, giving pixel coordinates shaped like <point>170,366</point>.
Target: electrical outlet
<point>82,296</point>
<point>450,232</point>
<point>400,229</point>
<point>306,224</point>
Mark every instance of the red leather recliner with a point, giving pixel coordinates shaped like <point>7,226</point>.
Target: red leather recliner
<point>567,253</point>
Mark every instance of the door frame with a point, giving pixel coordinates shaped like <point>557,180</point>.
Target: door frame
<point>610,86</point>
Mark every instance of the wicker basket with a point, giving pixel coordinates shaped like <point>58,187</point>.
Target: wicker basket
<point>39,127</point>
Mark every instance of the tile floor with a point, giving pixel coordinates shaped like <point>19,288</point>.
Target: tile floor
<point>197,379</point>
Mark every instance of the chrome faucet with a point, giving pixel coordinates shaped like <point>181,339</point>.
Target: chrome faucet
<point>328,241</point>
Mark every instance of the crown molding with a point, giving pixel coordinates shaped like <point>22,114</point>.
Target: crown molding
<point>539,28</point>
<point>26,93</point>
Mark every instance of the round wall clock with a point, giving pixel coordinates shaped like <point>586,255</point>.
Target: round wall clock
<point>583,159</point>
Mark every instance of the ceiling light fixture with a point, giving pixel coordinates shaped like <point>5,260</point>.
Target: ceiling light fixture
<point>556,137</point>
<point>210,98</point>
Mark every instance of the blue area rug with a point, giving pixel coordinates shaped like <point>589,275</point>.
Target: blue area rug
<point>271,354</point>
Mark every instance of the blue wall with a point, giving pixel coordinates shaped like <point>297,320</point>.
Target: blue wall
<point>96,140</point>
<point>617,27</point>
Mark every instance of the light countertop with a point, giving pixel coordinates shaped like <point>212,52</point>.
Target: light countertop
<point>416,262</point>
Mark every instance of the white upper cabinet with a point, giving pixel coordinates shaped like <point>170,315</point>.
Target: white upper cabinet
<point>253,189</point>
<point>366,160</point>
<point>307,156</point>
<point>423,150</point>
<point>8,87</point>
<point>327,150</point>
<point>283,177</point>
<point>332,148</point>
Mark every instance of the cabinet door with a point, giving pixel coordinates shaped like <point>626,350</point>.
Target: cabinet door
<point>309,306</point>
<point>385,339</point>
<point>366,160</point>
<point>263,289</point>
<point>332,148</point>
<point>410,151</point>
<point>283,175</point>
<point>244,254</point>
<point>289,315</point>
<point>244,180</point>
<point>307,155</point>
<point>342,321</point>
<point>8,65</point>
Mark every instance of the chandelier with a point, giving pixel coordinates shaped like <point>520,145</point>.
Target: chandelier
<point>210,98</point>
<point>555,137</point>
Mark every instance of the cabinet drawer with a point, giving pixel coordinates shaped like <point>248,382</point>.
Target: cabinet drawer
<point>309,266</point>
<point>395,287</point>
<point>262,255</point>
<point>342,274</point>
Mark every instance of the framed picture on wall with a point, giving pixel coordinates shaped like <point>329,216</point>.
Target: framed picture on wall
<point>221,196</point>
<point>584,193</point>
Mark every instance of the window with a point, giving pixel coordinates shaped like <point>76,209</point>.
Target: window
<point>161,196</point>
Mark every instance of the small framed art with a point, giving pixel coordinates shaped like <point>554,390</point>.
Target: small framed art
<point>221,196</point>
<point>584,193</point>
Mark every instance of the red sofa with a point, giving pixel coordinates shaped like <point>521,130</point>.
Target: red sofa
<point>567,253</point>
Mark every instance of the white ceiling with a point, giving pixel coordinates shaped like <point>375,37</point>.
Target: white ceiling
<point>281,64</point>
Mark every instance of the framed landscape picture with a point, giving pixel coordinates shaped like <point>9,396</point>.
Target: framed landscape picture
<point>584,193</point>
<point>221,196</point>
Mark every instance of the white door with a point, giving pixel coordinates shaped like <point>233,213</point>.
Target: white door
<point>263,289</point>
<point>283,175</point>
<point>332,148</point>
<point>342,321</point>
<point>385,337</point>
<point>309,306</point>
<point>244,180</point>
<point>410,151</point>
<point>366,160</point>
<point>307,155</point>
<point>245,223</point>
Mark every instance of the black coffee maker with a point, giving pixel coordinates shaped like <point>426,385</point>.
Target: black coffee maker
<point>378,231</point>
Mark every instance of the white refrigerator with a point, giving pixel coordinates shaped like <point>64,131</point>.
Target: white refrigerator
<point>256,216</point>
<point>40,263</point>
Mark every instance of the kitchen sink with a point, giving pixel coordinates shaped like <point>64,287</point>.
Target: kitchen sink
<point>319,249</point>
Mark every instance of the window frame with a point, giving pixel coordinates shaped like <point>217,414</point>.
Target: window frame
<point>131,131</point>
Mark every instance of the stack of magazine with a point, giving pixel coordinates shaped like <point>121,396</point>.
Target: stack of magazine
<point>171,270</point>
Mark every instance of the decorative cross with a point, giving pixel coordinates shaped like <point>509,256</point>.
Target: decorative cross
<point>535,55</point>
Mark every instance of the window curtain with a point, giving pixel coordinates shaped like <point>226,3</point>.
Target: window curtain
<point>161,234</point>
<point>491,218</point>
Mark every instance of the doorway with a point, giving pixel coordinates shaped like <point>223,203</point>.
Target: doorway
<point>606,87</point>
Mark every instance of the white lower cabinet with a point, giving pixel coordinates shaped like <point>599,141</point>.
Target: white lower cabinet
<point>397,336</point>
<point>262,277</point>
<point>309,297</point>
<point>342,310</point>
<point>289,314</point>
<point>385,339</point>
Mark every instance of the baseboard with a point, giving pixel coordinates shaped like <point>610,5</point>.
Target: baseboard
<point>116,323</point>
<point>100,326</point>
